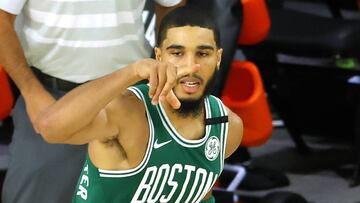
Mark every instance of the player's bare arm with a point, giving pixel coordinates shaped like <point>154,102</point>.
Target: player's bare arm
<point>235,133</point>
<point>234,138</point>
<point>96,109</point>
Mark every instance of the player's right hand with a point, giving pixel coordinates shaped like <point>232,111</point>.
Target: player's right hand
<point>162,78</point>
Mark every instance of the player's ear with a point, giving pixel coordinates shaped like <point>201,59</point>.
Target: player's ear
<point>157,51</point>
<point>218,55</point>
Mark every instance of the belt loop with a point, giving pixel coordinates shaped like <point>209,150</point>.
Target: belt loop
<point>54,84</point>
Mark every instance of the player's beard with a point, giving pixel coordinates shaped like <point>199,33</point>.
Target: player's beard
<point>193,107</point>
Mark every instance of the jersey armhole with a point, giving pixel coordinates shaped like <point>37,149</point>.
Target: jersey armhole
<point>139,168</point>
<point>135,92</point>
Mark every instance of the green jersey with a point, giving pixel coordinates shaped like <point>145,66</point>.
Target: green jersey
<point>174,169</point>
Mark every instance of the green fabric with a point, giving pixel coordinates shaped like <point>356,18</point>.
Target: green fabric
<point>180,169</point>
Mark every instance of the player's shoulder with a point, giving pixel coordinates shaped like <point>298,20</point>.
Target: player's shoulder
<point>234,119</point>
<point>235,133</point>
<point>126,103</point>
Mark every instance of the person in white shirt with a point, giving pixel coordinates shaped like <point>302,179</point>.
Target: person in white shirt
<point>58,45</point>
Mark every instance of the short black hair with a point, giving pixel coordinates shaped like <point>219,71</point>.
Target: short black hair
<point>187,16</point>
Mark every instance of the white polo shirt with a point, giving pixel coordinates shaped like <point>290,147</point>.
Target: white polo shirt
<point>80,40</point>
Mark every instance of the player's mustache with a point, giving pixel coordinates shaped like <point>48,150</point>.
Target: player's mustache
<point>194,75</point>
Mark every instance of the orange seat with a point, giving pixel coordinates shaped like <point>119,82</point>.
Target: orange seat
<point>256,22</point>
<point>244,94</point>
<point>6,97</point>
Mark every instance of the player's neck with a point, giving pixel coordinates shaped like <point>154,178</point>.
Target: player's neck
<point>190,127</point>
<point>192,114</point>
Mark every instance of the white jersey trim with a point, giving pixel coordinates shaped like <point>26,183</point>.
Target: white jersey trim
<point>173,132</point>
<point>223,132</point>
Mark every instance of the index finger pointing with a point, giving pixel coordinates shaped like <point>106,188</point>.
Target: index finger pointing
<point>173,100</point>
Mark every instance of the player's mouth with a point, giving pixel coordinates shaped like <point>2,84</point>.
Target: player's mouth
<point>190,84</point>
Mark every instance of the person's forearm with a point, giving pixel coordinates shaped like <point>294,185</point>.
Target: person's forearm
<point>84,108</point>
<point>80,106</point>
<point>12,56</point>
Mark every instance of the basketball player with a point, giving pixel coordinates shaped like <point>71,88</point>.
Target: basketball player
<point>165,141</point>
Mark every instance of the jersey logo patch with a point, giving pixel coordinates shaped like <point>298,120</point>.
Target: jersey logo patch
<point>158,145</point>
<point>212,148</point>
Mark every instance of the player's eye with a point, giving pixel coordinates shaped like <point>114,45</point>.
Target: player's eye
<point>177,53</point>
<point>203,54</point>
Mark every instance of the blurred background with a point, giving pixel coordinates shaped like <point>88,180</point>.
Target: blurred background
<point>291,70</point>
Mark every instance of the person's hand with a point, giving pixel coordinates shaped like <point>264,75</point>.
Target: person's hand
<point>162,78</point>
<point>36,102</point>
